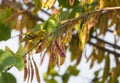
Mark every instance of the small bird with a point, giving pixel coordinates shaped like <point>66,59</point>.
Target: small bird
<point>35,35</point>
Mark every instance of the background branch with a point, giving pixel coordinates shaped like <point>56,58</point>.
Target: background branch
<point>104,49</point>
<point>101,40</point>
<point>18,8</point>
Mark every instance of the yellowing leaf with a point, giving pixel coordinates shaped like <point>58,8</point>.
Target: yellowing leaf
<point>37,4</point>
<point>93,21</point>
<point>52,61</point>
<point>48,3</point>
<point>68,36</point>
<point>89,1</point>
<point>100,56</point>
<point>60,51</point>
<point>115,73</point>
<point>42,46</point>
<point>84,33</point>
<point>103,24</point>
<point>76,53</point>
<point>62,60</point>
<point>101,3</point>
<point>53,55</point>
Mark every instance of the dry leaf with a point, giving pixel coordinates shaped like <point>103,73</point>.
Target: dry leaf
<point>42,57</point>
<point>60,51</point>
<point>36,71</point>
<point>32,71</point>
<point>25,69</point>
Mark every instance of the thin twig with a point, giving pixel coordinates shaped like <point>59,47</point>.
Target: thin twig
<point>17,35</point>
<point>104,49</point>
<point>98,39</point>
<point>32,47</point>
<point>18,8</point>
<point>45,12</point>
<point>13,16</point>
<point>70,21</point>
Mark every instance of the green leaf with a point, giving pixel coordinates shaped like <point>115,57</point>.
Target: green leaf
<point>52,80</point>
<point>19,63</point>
<point>76,11</point>
<point>64,15</point>
<point>6,77</point>
<point>37,27</point>
<point>5,32</point>
<point>50,25</point>
<point>6,60</point>
<point>20,52</point>
<point>9,50</point>
<point>96,73</point>
<point>65,77</point>
<point>73,71</point>
<point>37,4</point>
<point>53,72</point>
<point>19,58</point>
<point>106,68</point>
<point>66,4</point>
<point>74,48</point>
<point>4,14</point>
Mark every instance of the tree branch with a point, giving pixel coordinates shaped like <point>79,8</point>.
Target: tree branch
<point>104,49</point>
<point>113,45</point>
<point>71,21</point>
<point>34,16</point>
